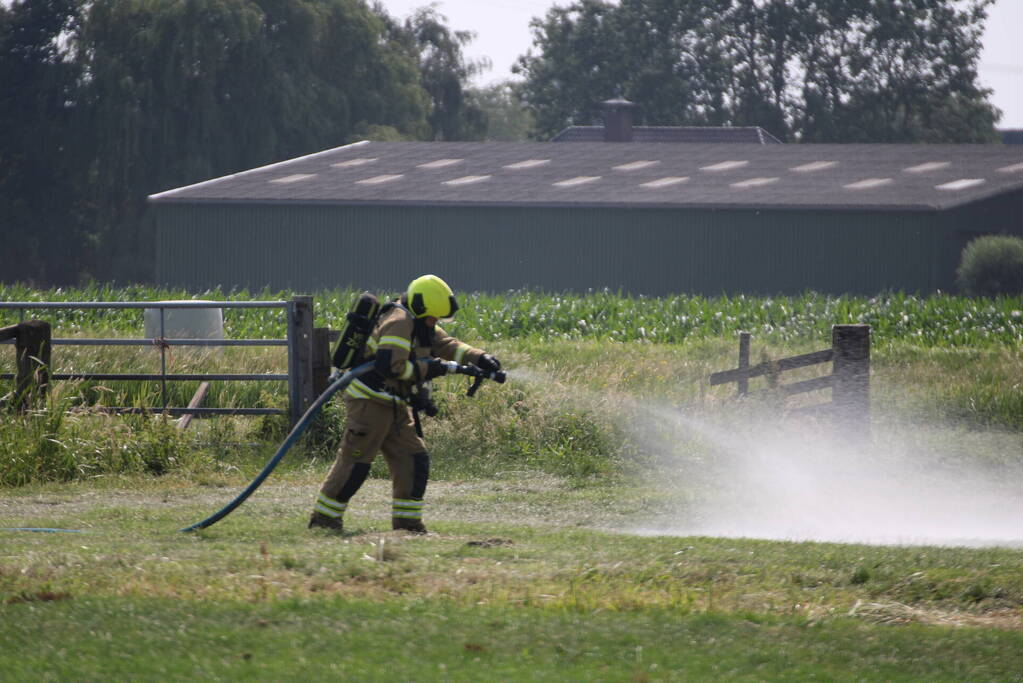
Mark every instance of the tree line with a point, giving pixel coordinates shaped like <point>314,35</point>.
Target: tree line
<point>804,70</point>
<point>103,102</point>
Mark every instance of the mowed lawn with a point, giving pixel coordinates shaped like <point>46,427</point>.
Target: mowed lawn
<point>521,578</point>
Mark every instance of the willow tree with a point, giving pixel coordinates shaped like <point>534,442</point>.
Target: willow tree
<point>44,238</point>
<point>178,92</point>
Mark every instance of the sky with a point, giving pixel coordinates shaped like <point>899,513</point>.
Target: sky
<point>502,34</point>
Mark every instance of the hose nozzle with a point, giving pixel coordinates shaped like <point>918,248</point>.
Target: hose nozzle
<point>479,375</point>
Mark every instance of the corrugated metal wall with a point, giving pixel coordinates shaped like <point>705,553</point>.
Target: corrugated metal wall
<point>638,251</point>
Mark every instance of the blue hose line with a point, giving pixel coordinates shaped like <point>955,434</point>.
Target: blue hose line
<point>296,431</point>
<point>42,530</point>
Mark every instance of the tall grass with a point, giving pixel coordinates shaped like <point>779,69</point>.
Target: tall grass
<point>56,444</point>
<point>943,357</point>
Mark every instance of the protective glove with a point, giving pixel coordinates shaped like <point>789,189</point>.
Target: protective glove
<point>437,367</point>
<point>488,363</point>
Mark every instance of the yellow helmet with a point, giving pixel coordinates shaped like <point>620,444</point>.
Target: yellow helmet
<point>430,296</point>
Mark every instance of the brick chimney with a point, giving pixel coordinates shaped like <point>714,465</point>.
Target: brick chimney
<point>617,120</point>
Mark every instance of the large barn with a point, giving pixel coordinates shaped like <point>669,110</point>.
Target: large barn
<point>639,217</point>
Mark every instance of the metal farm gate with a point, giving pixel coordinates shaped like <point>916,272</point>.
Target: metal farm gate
<point>307,349</point>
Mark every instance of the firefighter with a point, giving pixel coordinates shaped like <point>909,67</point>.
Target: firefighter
<point>408,348</point>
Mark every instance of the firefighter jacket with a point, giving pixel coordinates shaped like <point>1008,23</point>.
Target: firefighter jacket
<point>401,346</point>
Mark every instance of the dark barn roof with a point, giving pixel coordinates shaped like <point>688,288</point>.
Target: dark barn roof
<point>750,134</point>
<point>874,176</point>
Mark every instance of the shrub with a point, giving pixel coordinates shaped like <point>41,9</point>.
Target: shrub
<point>992,266</point>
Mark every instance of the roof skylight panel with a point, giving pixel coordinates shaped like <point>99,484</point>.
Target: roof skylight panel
<point>928,167</point>
<point>1015,168</point>
<point>293,178</point>
<point>467,180</point>
<point>667,181</point>
<point>725,166</point>
<point>636,165</point>
<point>378,179</point>
<point>868,183</point>
<point>961,184</point>
<point>354,162</point>
<point>528,163</point>
<point>578,180</point>
<point>813,166</point>
<point>754,182</point>
<point>440,163</point>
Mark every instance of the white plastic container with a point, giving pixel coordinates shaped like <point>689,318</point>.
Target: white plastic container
<point>185,323</point>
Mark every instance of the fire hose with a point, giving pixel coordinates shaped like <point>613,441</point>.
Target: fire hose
<point>337,385</point>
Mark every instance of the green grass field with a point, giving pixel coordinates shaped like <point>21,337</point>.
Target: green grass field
<point>518,580</point>
<point>558,509</point>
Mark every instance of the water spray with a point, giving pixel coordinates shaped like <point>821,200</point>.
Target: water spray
<point>790,481</point>
<point>756,471</point>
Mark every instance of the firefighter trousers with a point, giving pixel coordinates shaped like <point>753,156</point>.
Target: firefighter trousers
<point>375,427</point>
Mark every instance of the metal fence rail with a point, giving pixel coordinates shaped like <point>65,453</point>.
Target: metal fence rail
<point>299,326</point>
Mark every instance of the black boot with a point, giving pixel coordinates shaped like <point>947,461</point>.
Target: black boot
<point>406,524</point>
<point>322,521</point>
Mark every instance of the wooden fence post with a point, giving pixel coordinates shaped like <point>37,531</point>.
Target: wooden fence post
<point>851,381</point>
<point>743,381</point>
<point>32,349</point>
<point>321,359</point>
<point>300,338</point>
<point>6,334</point>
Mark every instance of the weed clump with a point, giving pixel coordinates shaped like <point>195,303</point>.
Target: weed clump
<point>860,576</point>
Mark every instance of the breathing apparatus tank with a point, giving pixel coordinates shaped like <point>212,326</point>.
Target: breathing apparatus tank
<point>361,319</point>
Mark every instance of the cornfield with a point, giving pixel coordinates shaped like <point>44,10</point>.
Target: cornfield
<point>940,320</point>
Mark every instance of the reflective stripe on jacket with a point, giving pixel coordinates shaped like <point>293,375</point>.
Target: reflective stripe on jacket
<point>396,332</point>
